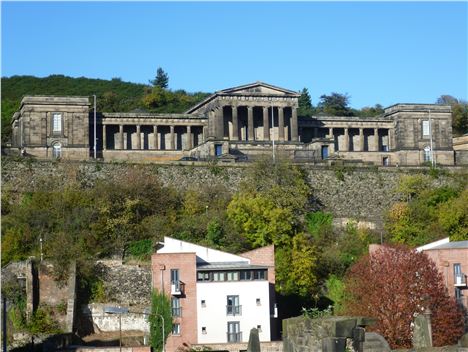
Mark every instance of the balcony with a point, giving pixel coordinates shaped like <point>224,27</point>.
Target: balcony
<point>234,337</point>
<point>233,310</point>
<point>177,288</point>
<point>460,280</point>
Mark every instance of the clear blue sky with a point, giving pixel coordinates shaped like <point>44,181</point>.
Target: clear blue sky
<point>376,52</point>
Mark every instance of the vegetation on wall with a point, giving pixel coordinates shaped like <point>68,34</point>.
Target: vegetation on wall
<point>426,213</point>
<point>273,205</point>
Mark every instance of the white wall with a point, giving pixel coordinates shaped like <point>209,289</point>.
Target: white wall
<point>172,245</point>
<point>213,315</point>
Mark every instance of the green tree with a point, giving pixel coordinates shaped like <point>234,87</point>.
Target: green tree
<point>296,265</point>
<point>160,307</point>
<point>459,113</point>
<point>305,104</point>
<point>373,111</point>
<point>335,104</point>
<point>161,80</point>
<point>335,290</point>
<point>453,217</point>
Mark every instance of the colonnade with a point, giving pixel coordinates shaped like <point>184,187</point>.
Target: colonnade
<point>254,123</point>
<point>151,137</point>
<point>356,138</point>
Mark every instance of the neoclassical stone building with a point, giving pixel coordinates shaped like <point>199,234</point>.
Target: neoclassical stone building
<point>236,123</point>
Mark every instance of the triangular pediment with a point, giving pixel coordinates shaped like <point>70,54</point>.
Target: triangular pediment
<point>259,88</point>
<point>252,89</point>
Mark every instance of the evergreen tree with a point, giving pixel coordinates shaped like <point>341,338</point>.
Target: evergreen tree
<point>305,104</point>
<point>161,79</point>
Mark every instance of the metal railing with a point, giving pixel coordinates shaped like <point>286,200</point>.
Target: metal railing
<point>460,279</point>
<point>233,310</point>
<point>177,288</point>
<point>234,337</point>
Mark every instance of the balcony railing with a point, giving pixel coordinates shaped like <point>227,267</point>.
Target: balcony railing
<point>233,310</point>
<point>234,337</point>
<point>177,288</point>
<point>460,280</point>
<point>177,312</point>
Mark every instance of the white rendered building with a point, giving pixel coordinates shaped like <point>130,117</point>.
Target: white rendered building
<point>217,297</point>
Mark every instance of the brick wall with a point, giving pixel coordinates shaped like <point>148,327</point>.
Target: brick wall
<point>263,256</point>
<point>186,263</point>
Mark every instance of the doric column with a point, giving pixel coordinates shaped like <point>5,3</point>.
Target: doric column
<point>138,137</point>
<point>346,139</point>
<point>204,128</point>
<point>172,139</point>
<point>189,137</point>
<point>104,139</point>
<point>361,139</point>
<point>121,136</point>
<point>235,124</point>
<point>280,124</point>
<point>293,125</point>
<point>389,136</point>
<point>250,124</point>
<point>376,139</point>
<point>219,123</point>
<point>155,137</point>
<point>330,132</point>
<point>266,124</point>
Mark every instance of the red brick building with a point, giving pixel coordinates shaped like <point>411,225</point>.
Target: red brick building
<point>216,297</point>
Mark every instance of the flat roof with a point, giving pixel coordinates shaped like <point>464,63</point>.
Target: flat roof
<point>228,266</point>
<point>452,245</point>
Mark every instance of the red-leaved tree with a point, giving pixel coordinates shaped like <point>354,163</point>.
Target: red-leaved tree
<point>393,284</point>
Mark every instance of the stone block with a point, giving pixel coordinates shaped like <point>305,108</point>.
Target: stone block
<point>333,344</point>
<point>464,341</point>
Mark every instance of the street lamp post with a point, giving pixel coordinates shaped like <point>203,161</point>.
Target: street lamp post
<point>119,311</point>
<point>95,129</point>
<point>146,312</point>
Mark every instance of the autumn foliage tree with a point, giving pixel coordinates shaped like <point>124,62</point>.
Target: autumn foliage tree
<point>395,283</point>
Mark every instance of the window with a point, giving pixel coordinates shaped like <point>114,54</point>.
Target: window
<point>203,276</point>
<point>56,123</point>
<point>385,161</point>
<point>246,275</point>
<point>426,128</point>
<point>234,334</point>
<point>57,151</point>
<point>203,330</point>
<point>258,301</point>
<point>203,303</point>
<point>233,276</point>
<point>259,328</point>
<point>218,276</point>
<point>232,306</point>
<point>175,305</point>
<point>174,276</point>
<point>176,329</point>
<point>458,276</point>
<point>427,154</point>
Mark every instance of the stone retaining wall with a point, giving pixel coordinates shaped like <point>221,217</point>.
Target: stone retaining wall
<point>129,285</point>
<point>346,191</point>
